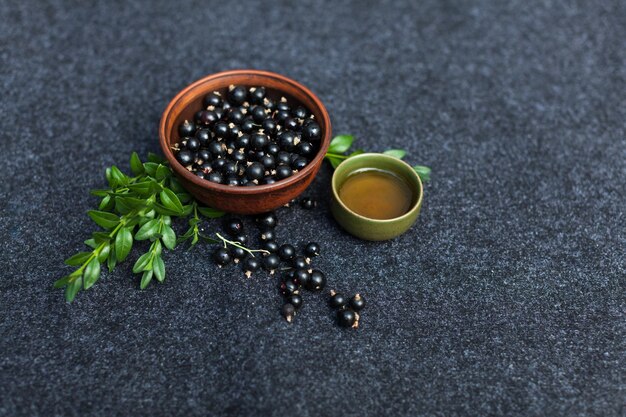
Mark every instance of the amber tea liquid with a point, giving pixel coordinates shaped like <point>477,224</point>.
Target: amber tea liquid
<point>376,194</point>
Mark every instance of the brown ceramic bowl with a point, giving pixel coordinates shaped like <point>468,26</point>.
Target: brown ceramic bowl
<point>238,199</point>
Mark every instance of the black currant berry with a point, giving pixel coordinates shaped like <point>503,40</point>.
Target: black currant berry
<point>268,162</point>
<point>302,277</point>
<point>305,149</point>
<point>237,253</point>
<point>317,281</point>
<point>215,148</point>
<point>237,156</point>
<point>229,168</point>
<point>257,95</point>
<point>255,171</point>
<point>283,106</point>
<point>219,113</point>
<point>267,221</point>
<point>346,318</point>
<point>270,245</point>
<point>243,239</point>
<point>308,203</point>
<point>311,132</point>
<point>243,141</point>
<point>258,141</point>
<point>299,262</point>
<point>233,226</point>
<point>193,144</point>
<point>290,123</point>
<point>258,114</point>
<point>186,128</point>
<point>286,252</point>
<point>299,163</point>
<point>215,177</point>
<point>281,116</point>
<point>221,257</point>
<point>283,171</point>
<point>221,129</point>
<point>212,99</point>
<point>269,126</point>
<point>208,117</point>
<point>271,262</point>
<point>288,311</point>
<point>185,157</point>
<point>337,300</point>
<point>251,265</point>
<point>283,158</point>
<point>289,287</point>
<point>247,126</point>
<point>286,140</point>
<point>272,149</point>
<point>235,116</point>
<point>268,180</point>
<point>204,136</point>
<point>237,96</point>
<point>200,174</point>
<point>295,300</point>
<point>218,164</point>
<point>312,249</point>
<point>267,235</point>
<point>357,302</point>
<point>299,112</point>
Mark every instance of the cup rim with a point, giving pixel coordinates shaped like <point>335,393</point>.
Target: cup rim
<point>414,207</point>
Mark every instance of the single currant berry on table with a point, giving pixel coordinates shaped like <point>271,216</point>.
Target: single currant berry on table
<point>267,235</point>
<point>221,257</point>
<point>299,262</point>
<point>302,277</point>
<point>271,262</point>
<point>337,300</point>
<point>251,265</point>
<point>270,245</point>
<point>357,303</point>
<point>346,318</point>
<point>233,226</point>
<point>289,287</point>
<point>237,253</point>
<point>317,281</point>
<point>308,203</point>
<point>295,300</point>
<point>267,221</point>
<point>288,312</point>
<point>312,249</point>
<point>243,239</point>
<point>186,128</point>
<point>286,252</point>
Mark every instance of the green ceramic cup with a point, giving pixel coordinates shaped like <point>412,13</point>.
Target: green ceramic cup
<point>374,229</point>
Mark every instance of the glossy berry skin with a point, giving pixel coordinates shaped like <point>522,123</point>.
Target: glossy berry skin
<point>258,141</point>
<point>215,177</point>
<point>185,157</point>
<point>283,158</point>
<point>215,148</point>
<point>221,257</point>
<point>268,162</point>
<point>243,239</point>
<point>186,128</point>
<point>267,220</point>
<point>229,168</point>
<point>282,115</point>
<point>299,112</point>
<point>272,149</point>
<point>243,141</point>
<point>305,149</point>
<point>267,235</point>
<point>299,262</point>
<point>235,115</point>
<point>257,96</point>
<point>247,126</point>
<point>312,249</point>
<point>317,281</point>
<point>286,140</point>
<point>290,123</point>
<point>286,252</point>
<point>204,136</point>
<point>295,300</point>
<point>357,303</point>
<point>288,311</point>
<point>255,171</point>
<point>218,164</point>
<point>308,203</point>
<point>221,129</point>
<point>302,277</point>
<point>283,171</point>
<point>233,226</point>
<point>338,300</point>
<point>270,245</point>
<point>212,99</point>
<point>251,264</point>
<point>299,164</point>
<point>237,96</point>
<point>239,157</point>
<point>192,144</point>
<point>237,252</point>
<point>258,114</point>
<point>203,156</point>
<point>271,262</point>
<point>289,287</point>
<point>269,126</point>
<point>283,106</point>
<point>268,180</point>
<point>311,132</point>
<point>346,318</point>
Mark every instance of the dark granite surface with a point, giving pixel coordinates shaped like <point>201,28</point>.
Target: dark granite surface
<point>507,297</point>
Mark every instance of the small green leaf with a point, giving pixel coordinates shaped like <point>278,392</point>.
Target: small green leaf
<point>106,203</point>
<point>92,273</point>
<point>210,213</point>
<point>423,172</point>
<point>100,237</point>
<point>118,177</point>
<point>152,157</point>
<point>131,202</point>
<point>135,164</point>
<point>60,283</point>
<point>162,172</point>
<point>143,263</point>
<point>104,253</point>
<point>145,279</point>
<point>158,266</point>
<point>151,168</point>
<point>100,193</point>
<point>91,243</point>
<point>112,261</point>
<point>169,237</point>
<point>396,153</point>
<point>123,243</point>
<point>341,143</point>
<point>72,288</point>
<point>334,162</point>
<point>78,259</point>
<point>104,219</point>
<point>170,201</point>
<point>148,230</point>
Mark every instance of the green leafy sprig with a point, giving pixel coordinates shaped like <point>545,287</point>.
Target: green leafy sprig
<point>340,145</point>
<point>135,208</point>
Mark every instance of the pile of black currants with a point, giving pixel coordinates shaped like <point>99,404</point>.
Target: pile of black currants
<point>294,269</point>
<point>241,137</point>
<point>347,309</point>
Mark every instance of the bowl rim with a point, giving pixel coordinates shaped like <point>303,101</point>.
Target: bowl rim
<point>401,163</point>
<point>240,190</point>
